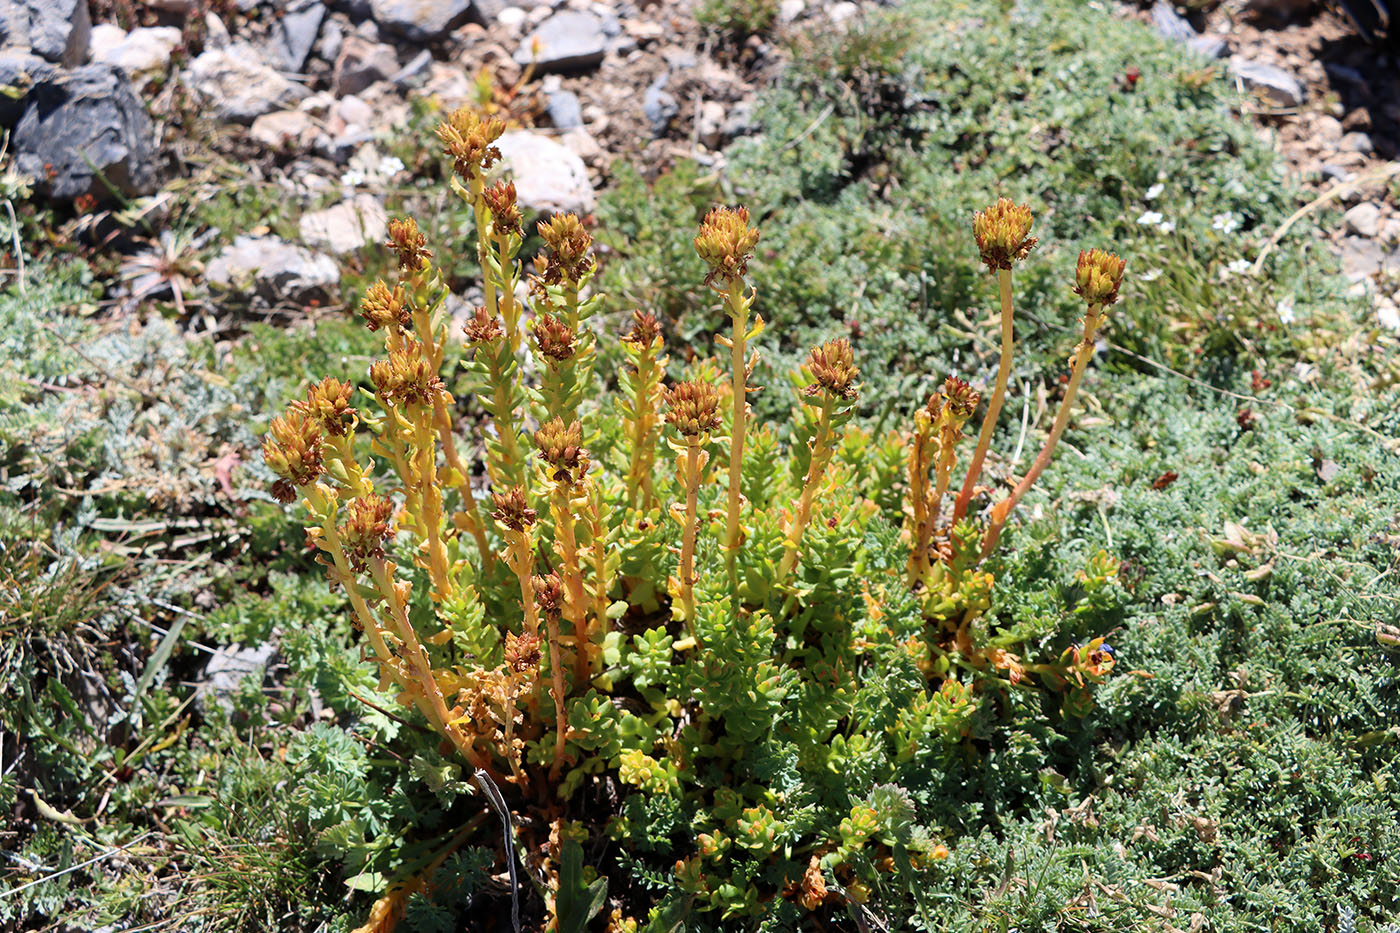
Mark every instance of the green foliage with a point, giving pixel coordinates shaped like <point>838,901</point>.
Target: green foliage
<point>742,17</point>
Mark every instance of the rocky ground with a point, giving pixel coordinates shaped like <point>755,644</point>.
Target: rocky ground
<point>1329,101</point>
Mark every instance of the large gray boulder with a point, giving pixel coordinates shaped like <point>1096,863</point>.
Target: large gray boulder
<point>82,122</point>
<point>420,20</point>
<point>55,30</point>
<point>568,41</point>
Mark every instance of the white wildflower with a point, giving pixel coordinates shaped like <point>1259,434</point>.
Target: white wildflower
<point>1285,309</point>
<point>1150,218</point>
<point>1239,266</point>
<point>389,166</point>
<point>1167,226</point>
<point>353,178</point>
<point>1225,223</point>
<point>1154,191</point>
<point>1151,275</point>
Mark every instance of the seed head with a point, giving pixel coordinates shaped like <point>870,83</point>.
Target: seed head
<point>482,329</point>
<point>327,403</point>
<point>381,307</point>
<point>833,366</point>
<point>549,592</point>
<point>468,137</point>
<point>412,247</point>
<point>1098,276</point>
<point>726,242</point>
<point>561,446</point>
<point>500,201</point>
<point>646,330</point>
<point>568,243</point>
<point>512,509</point>
<point>1003,234</point>
<point>693,408</point>
<point>554,337</point>
<point>292,450</point>
<point>367,525</point>
<point>522,651</point>
<point>959,398</point>
<point>406,377</point>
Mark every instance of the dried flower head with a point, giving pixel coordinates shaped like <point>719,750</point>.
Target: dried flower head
<point>406,377</point>
<point>554,337</point>
<point>368,524</point>
<point>646,330</point>
<point>726,242</point>
<point>482,329</point>
<point>328,404</point>
<point>522,651</point>
<point>1098,276</point>
<point>561,446</point>
<point>1003,234</point>
<point>960,398</point>
<point>292,450</point>
<point>569,244</point>
<point>693,408</point>
<point>408,241</point>
<point>467,137</point>
<point>549,592</point>
<point>500,201</point>
<point>382,307</point>
<point>834,369</point>
<point>512,509</point>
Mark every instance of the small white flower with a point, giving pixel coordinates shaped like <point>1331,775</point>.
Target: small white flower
<point>1151,275</point>
<point>1154,191</point>
<point>353,178</point>
<point>1150,218</point>
<point>389,166</point>
<point>1225,223</point>
<point>1167,226</point>
<point>1388,315</point>
<point>1285,309</point>
<point>1239,267</point>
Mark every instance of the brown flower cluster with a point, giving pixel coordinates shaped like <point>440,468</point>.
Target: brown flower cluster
<point>467,137</point>
<point>408,241</point>
<point>645,331</point>
<point>569,243</point>
<point>522,651</point>
<point>834,369</point>
<point>554,337</point>
<point>726,242</point>
<point>327,403</point>
<point>406,377</point>
<point>549,592</point>
<point>512,509</point>
<point>482,329</point>
<point>1003,234</point>
<point>292,450</point>
<point>692,408</point>
<point>959,397</point>
<point>500,201</point>
<point>367,525</point>
<point>561,446</point>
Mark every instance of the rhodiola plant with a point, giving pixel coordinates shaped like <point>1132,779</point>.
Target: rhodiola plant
<point>739,650</point>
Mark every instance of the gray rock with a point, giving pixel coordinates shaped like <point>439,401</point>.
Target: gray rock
<point>138,51</point>
<point>740,121</point>
<point>565,112</point>
<point>239,85</point>
<point>567,41</point>
<point>81,122</point>
<point>55,30</point>
<point>709,125</point>
<point>228,668</point>
<point>347,226</point>
<point>19,70</point>
<point>549,177</point>
<point>414,73</point>
<point>284,129</point>
<point>272,269</point>
<point>1278,85</point>
<point>789,10</point>
<point>360,64</point>
<point>1209,45</point>
<point>296,34</point>
<point>216,35</point>
<point>328,46</point>
<point>659,106</point>
<point>1170,24</point>
<point>420,20</point>
<point>1364,219</point>
<point>1357,142</point>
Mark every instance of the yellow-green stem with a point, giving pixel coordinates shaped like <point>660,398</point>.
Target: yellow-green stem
<point>989,423</point>
<point>738,310</point>
<point>1003,509</point>
<point>821,455</point>
<point>556,670</point>
<point>571,574</point>
<point>469,512</point>
<point>687,567</point>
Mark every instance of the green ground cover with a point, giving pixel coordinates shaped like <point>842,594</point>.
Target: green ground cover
<point>1241,766</point>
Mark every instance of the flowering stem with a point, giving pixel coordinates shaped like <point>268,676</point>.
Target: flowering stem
<point>739,311</point>
<point>571,574</point>
<point>556,670</point>
<point>989,423</point>
<point>694,462</point>
<point>822,449</point>
<point>469,514</point>
<point>1002,511</point>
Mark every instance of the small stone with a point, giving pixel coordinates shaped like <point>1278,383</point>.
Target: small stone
<point>709,126</point>
<point>567,41</point>
<point>1278,85</point>
<point>136,52</point>
<point>347,226</point>
<point>1357,142</point>
<point>420,20</point>
<point>414,73</point>
<point>1326,129</point>
<point>295,34</point>
<point>227,670</point>
<point>583,145</point>
<point>216,37</point>
<point>564,110</point>
<point>360,64</point>
<point>1170,24</point>
<point>272,269</point>
<point>739,121</point>
<point>512,17</point>
<point>840,12</point>
<point>80,122</point>
<point>239,85</point>
<point>1209,45</point>
<point>1331,170</point>
<point>549,177</point>
<point>1362,258</point>
<point>328,45</point>
<point>789,10</point>
<point>1364,219</point>
<point>56,30</point>
<point>659,106</point>
<point>285,129</point>
<point>353,111</point>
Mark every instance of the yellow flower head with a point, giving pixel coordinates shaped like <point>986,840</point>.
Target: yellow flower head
<point>726,242</point>
<point>1098,276</point>
<point>1003,234</point>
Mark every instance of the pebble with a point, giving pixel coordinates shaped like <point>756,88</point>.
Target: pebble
<point>1170,24</point>
<point>284,129</point>
<point>295,34</point>
<point>1282,88</point>
<point>1357,142</point>
<point>659,106</point>
<point>1210,45</point>
<point>58,31</point>
<point>789,10</point>
<point>347,226</point>
<point>549,177</point>
<point>567,41</point>
<point>840,12</point>
<point>709,126</point>
<point>272,269</point>
<point>136,52</point>
<point>360,64</point>
<point>565,112</point>
<point>1364,219</point>
<point>239,85</point>
<point>420,20</point>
